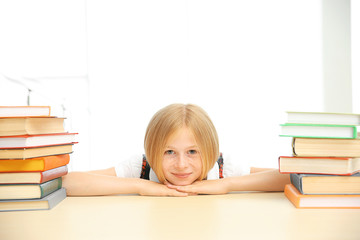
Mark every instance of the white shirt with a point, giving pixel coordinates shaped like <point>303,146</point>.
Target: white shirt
<point>131,168</point>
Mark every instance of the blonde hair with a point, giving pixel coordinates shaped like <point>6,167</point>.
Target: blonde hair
<point>167,121</point>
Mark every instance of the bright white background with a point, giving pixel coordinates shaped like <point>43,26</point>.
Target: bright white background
<point>108,66</point>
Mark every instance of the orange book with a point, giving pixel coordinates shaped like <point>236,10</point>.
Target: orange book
<point>24,111</point>
<point>34,164</point>
<point>320,201</point>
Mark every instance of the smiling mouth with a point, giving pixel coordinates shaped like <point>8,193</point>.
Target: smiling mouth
<point>181,175</point>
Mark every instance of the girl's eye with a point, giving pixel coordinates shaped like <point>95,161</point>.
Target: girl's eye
<point>193,152</point>
<point>169,152</point>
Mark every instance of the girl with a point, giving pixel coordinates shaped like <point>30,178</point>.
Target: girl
<point>182,158</point>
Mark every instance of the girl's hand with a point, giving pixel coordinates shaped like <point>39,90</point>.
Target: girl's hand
<point>149,188</point>
<point>203,187</point>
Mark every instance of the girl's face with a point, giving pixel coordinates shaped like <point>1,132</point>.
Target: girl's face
<point>182,162</point>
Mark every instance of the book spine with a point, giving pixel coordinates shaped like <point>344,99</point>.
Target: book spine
<point>55,199</point>
<point>56,161</point>
<point>53,173</point>
<point>354,132</point>
<point>50,186</point>
<point>291,195</point>
<point>293,146</point>
<point>296,181</point>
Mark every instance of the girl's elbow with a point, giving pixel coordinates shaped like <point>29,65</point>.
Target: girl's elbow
<point>71,182</point>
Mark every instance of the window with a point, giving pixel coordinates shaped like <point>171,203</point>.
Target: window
<point>109,65</point>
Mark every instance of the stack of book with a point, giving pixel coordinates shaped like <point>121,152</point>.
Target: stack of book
<point>34,154</point>
<point>325,163</point>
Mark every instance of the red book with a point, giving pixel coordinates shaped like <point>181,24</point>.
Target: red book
<point>319,165</point>
<point>24,141</point>
<point>32,177</point>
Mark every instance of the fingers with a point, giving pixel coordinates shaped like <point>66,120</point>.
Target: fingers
<point>190,189</point>
<point>165,193</point>
<point>170,185</point>
<point>172,191</point>
<point>157,189</point>
<point>201,187</point>
<point>175,193</point>
<point>174,188</point>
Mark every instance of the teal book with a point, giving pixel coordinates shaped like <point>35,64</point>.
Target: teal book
<point>318,131</point>
<point>46,203</point>
<point>29,191</point>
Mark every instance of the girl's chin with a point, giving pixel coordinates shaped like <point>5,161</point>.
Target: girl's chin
<point>180,183</point>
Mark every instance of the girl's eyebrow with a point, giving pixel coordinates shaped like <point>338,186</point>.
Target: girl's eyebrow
<point>193,146</point>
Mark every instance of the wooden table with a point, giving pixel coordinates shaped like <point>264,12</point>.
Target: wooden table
<point>230,216</point>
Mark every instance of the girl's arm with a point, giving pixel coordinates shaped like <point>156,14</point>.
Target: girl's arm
<point>269,180</point>
<point>105,182</point>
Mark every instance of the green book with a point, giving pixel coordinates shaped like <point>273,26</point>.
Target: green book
<point>299,130</point>
<point>29,191</point>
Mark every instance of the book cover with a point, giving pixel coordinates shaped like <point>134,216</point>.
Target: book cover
<point>318,131</point>
<point>320,201</point>
<point>45,203</point>
<point>323,118</point>
<point>31,125</point>
<point>32,177</point>
<point>326,147</point>
<point>34,164</point>
<point>25,111</point>
<point>319,165</point>
<point>34,152</point>
<point>29,191</point>
<point>326,184</point>
<point>24,141</point>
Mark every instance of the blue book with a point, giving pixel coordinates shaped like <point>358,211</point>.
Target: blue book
<point>326,184</point>
<point>45,203</point>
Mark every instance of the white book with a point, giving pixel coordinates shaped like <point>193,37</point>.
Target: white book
<point>323,118</point>
<point>24,111</point>
<point>24,141</point>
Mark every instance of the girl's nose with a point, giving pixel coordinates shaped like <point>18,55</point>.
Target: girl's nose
<point>182,161</point>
